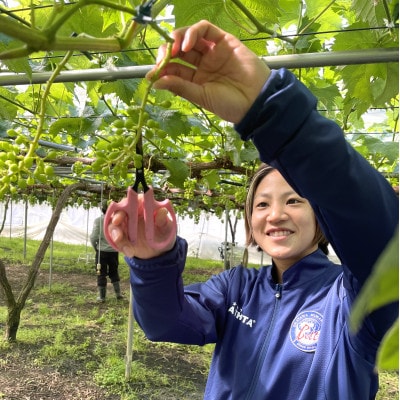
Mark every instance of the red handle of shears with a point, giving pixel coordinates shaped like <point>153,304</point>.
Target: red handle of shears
<point>130,205</point>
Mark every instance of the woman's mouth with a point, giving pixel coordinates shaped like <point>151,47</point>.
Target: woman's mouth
<point>279,233</point>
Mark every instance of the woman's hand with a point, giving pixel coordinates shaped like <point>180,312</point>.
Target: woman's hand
<point>224,76</point>
<point>163,225</point>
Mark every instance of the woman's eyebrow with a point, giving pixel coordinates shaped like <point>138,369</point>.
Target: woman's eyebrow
<point>284,194</point>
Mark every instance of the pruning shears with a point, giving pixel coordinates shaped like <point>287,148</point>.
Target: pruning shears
<point>135,209</point>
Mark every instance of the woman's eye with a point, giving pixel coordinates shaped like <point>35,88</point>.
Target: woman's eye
<point>261,204</point>
<point>293,201</point>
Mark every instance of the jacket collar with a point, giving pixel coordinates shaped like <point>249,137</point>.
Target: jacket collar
<point>307,269</point>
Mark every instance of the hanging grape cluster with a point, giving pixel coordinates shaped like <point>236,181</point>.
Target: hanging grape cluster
<point>22,168</point>
<point>116,154</point>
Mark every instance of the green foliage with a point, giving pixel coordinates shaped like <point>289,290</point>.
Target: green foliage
<point>388,355</point>
<point>382,288</point>
<point>80,114</point>
<point>378,13</point>
<point>382,153</point>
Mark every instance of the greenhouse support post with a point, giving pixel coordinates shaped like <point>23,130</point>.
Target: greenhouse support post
<point>307,60</point>
<point>129,342</point>
<point>25,228</point>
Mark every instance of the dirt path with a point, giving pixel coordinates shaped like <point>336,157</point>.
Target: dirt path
<point>21,378</point>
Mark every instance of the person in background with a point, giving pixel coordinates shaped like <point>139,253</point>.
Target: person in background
<point>281,331</point>
<point>106,259</point>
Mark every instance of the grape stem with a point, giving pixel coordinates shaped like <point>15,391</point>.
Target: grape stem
<point>154,78</point>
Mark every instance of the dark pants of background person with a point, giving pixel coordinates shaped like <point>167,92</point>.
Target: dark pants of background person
<point>108,266</point>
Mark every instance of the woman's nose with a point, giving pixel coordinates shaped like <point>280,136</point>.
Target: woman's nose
<point>276,213</point>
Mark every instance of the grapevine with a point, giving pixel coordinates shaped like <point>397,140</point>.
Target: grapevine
<point>122,149</point>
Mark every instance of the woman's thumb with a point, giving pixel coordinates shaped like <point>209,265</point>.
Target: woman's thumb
<point>162,218</point>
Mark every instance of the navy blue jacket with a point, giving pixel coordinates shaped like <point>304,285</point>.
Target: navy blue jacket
<point>291,340</point>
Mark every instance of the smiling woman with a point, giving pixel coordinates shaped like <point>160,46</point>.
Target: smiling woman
<point>302,295</point>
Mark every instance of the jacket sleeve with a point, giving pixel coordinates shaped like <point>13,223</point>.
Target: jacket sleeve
<point>165,310</point>
<point>356,207</point>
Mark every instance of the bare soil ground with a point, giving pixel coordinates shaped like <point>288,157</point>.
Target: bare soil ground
<point>22,379</point>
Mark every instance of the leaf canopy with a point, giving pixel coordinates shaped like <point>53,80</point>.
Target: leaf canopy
<point>91,123</point>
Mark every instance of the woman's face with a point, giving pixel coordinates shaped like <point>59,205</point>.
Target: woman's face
<point>283,223</point>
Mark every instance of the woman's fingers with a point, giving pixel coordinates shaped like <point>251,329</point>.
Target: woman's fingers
<point>118,231</point>
<point>164,225</point>
<point>141,248</point>
<point>214,76</point>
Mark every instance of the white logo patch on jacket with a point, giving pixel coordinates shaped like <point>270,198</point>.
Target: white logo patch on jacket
<point>305,330</point>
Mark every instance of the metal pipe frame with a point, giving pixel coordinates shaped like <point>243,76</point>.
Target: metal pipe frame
<point>307,60</point>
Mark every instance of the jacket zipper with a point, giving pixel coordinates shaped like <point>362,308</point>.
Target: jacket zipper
<point>264,348</point>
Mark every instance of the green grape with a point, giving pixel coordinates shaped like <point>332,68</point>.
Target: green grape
<point>39,166</point>
<point>11,156</point>
<point>151,123</point>
<point>114,155</point>
<point>20,140</point>
<point>13,178</point>
<point>49,170</point>
<point>145,116</point>
<point>28,162</point>
<point>13,168</point>
<point>118,143</point>
<point>51,155</point>
<point>160,133</point>
<point>41,178</point>
<point>97,164</point>
<point>12,132</point>
<point>129,123</point>
<point>5,180</point>
<point>128,141</point>
<point>22,183</point>
<point>118,123</point>
<point>5,146</point>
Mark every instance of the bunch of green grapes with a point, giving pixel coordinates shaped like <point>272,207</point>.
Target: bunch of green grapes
<point>207,201</point>
<point>119,154</point>
<point>240,195</point>
<point>20,169</point>
<point>189,187</point>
